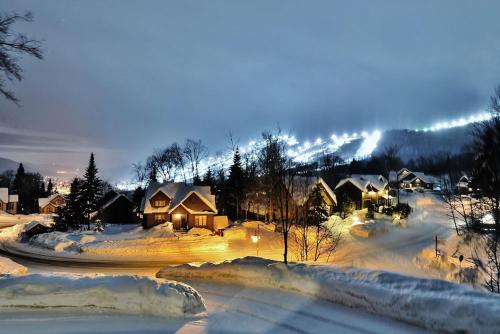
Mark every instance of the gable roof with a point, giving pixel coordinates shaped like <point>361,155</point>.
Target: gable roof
<point>114,199</point>
<point>365,181</point>
<point>304,185</point>
<point>178,193</point>
<point>4,195</point>
<point>422,176</point>
<point>403,170</point>
<point>44,201</point>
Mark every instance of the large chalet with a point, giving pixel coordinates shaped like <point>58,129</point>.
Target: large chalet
<point>183,205</point>
<point>362,190</point>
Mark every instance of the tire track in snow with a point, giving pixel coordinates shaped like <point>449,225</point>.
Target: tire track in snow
<point>305,314</point>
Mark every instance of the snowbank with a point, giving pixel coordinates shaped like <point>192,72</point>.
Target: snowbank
<point>367,230</point>
<point>433,304</point>
<point>165,230</point>
<point>447,261</point>
<point>199,231</point>
<point>7,266</point>
<point>123,294</point>
<point>262,226</point>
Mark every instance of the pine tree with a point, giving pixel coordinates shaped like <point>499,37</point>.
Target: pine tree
<point>317,213</point>
<point>19,186</point>
<point>71,215</point>
<point>42,192</point>
<point>236,181</point>
<point>91,190</point>
<point>196,180</point>
<point>208,179</point>
<point>50,188</point>
<point>19,179</point>
<point>153,172</point>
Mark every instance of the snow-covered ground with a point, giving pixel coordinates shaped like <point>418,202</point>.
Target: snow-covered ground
<point>392,248</point>
<point>432,304</point>
<point>9,267</point>
<point>446,263</point>
<point>119,294</point>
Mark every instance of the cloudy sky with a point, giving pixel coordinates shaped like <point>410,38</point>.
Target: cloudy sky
<point>123,77</point>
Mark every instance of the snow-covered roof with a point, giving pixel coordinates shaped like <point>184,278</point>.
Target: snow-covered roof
<point>111,201</point>
<point>364,181</point>
<point>44,201</point>
<point>422,176</point>
<point>404,171</point>
<point>178,193</point>
<point>6,198</point>
<point>34,223</point>
<point>4,195</point>
<point>304,185</point>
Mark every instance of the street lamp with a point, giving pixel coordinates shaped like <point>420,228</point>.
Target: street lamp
<point>255,239</point>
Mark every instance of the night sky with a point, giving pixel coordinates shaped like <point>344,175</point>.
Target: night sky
<point>123,77</point>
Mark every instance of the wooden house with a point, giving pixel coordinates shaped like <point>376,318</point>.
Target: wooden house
<point>184,205</point>
<point>362,190</point>
<point>50,205</point>
<point>118,210</point>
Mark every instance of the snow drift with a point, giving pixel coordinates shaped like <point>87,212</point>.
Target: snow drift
<point>123,294</point>
<point>433,304</point>
<point>7,266</point>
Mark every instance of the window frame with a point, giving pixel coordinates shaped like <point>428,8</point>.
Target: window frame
<point>200,221</point>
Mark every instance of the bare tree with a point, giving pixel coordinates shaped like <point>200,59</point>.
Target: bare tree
<point>278,179</point>
<point>140,174</point>
<point>486,179</point>
<point>167,161</point>
<point>12,45</point>
<point>194,152</point>
<point>178,158</point>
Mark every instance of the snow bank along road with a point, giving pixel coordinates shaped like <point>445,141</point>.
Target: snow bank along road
<point>433,304</point>
<point>230,309</point>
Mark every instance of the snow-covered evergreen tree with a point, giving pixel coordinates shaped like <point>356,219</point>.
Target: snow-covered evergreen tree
<point>71,215</point>
<point>91,190</point>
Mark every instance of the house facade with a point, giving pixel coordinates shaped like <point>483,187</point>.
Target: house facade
<point>50,205</point>
<point>118,210</point>
<point>183,205</point>
<point>258,204</point>
<point>8,202</point>
<point>410,180</point>
<point>463,185</point>
<point>359,191</point>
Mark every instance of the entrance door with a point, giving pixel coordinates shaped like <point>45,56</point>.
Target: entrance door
<point>184,224</point>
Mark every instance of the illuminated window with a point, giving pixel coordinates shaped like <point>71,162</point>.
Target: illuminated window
<point>200,221</point>
<point>158,203</point>
<point>159,218</point>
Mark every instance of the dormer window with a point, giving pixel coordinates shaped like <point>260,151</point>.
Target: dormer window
<point>159,203</point>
